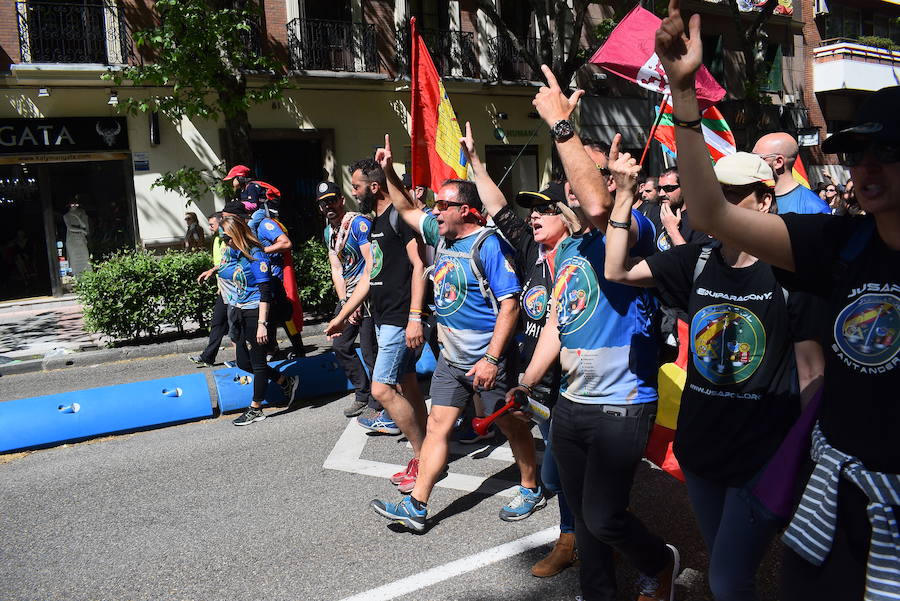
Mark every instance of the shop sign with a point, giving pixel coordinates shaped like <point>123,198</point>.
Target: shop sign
<point>141,161</point>
<point>65,134</point>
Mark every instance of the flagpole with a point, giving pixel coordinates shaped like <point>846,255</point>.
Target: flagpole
<point>524,146</point>
<point>414,98</point>
<point>653,129</point>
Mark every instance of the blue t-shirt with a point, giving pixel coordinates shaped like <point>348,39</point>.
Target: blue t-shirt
<point>267,232</point>
<point>801,200</point>
<point>351,256</point>
<point>239,277</point>
<point>466,319</point>
<point>608,353</point>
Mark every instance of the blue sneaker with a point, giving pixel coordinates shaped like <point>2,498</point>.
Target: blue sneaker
<point>401,513</point>
<point>380,422</point>
<point>467,435</point>
<point>523,505</point>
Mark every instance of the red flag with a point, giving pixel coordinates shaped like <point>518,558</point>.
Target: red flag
<point>434,132</point>
<point>799,172</point>
<point>629,53</point>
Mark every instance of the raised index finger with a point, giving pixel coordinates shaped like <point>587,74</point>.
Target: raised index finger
<point>674,7</point>
<point>387,142</point>
<point>614,147</point>
<point>550,77</point>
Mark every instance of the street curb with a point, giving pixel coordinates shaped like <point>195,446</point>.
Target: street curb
<point>101,356</point>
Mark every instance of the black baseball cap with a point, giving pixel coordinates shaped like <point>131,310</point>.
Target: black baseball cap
<point>327,190</point>
<point>877,120</point>
<point>235,207</point>
<point>554,192</point>
<point>407,181</point>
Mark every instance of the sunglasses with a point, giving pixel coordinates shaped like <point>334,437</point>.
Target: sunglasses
<point>883,153</point>
<point>546,209</point>
<point>443,205</point>
<point>669,187</point>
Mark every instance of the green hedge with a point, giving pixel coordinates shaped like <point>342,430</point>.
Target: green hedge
<point>133,294</point>
<point>314,277</point>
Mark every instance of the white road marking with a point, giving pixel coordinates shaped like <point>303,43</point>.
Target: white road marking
<point>346,456</point>
<point>432,576</point>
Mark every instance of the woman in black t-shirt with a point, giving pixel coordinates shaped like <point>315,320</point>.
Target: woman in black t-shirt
<point>740,398</point>
<point>842,538</point>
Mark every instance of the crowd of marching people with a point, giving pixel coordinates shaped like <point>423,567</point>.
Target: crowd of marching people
<point>789,311</point>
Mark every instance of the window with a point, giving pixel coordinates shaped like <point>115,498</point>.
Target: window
<point>843,22</point>
<point>713,56</point>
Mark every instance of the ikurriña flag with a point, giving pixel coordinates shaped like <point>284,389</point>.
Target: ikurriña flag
<point>434,131</point>
<point>629,52</point>
<point>716,133</point>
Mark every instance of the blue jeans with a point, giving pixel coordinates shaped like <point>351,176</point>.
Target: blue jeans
<point>394,358</point>
<point>550,479</point>
<point>737,531</point>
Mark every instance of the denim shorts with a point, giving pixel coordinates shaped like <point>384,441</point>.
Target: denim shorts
<point>394,358</point>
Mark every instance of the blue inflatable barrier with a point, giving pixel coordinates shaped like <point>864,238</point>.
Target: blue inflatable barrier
<point>319,376</point>
<point>56,418</point>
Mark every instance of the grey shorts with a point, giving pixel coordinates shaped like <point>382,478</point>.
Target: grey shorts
<point>451,387</point>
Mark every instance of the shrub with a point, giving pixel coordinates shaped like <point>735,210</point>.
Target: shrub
<point>133,293</point>
<point>314,277</point>
<point>877,42</point>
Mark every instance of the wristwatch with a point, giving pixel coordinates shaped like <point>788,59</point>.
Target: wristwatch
<point>562,130</point>
<point>263,323</point>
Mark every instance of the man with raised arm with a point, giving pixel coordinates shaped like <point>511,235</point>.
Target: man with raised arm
<point>602,334</point>
<point>842,540</point>
<point>476,299</point>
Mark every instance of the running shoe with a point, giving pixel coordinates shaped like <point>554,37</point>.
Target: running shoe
<point>408,483</point>
<point>381,422</point>
<point>523,505</point>
<point>399,476</point>
<point>662,586</point>
<point>230,364</point>
<point>401,513</point>
<point>200,362</point>
<point>354,408</point>
<point>467,435</point>
<point>252,414</point>
<point>289,389</point>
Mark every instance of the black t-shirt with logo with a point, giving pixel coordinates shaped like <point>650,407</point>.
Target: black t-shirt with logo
<point>389,290</point>
<point>861,410</point>
<point>536,272</point>
<point>741,396</point>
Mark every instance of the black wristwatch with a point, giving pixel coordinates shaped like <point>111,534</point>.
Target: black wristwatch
<point>562,130</point>
<point>263,323</point>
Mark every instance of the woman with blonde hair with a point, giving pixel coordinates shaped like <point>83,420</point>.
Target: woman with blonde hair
<point>245,278</point>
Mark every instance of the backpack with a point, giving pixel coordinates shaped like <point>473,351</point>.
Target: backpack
<point>475,263</point>
<point>272,192</point>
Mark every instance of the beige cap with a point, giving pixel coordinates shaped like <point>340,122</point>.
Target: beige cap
<point>742,168</point>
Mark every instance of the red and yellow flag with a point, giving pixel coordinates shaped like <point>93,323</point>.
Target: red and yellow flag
<point>434,132</point>
<point>799,172</point>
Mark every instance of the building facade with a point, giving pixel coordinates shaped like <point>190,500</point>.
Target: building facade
<point>63,139</point>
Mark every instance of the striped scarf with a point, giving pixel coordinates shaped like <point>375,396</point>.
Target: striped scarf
<point>811,531</point>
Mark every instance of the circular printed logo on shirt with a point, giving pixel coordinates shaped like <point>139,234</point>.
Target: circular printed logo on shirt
<point>535,302</point>
<point>270,226</point>
<point>239,285</point>
<point>363,227</point>
<point>264,267</point>
<point>449,286</point>
<point>729,342</point>
<point>866,330</point>
<point>350,258</point>
<point>662,242</point>
<point>377,259</point>
<point>576,292</point>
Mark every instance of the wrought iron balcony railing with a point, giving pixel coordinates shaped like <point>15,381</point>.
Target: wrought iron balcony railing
<point>92,31</point>
<point>332,46</point>
<point>511,65</point>
<point>453,52</point>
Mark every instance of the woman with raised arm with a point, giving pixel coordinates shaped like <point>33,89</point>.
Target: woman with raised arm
<point>843,538</point>
<point>740,398</point>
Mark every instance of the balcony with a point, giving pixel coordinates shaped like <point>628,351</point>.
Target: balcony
<point>509,64</point>
<point>332,46</point>
<point>91,32</point>
<point>453,52</point>
<point>842,64</point>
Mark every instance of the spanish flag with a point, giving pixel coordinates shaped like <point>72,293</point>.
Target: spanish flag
<point>799,172</point>
<point>434,132</point>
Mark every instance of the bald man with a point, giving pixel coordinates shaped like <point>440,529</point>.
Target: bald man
<point>780,151</point>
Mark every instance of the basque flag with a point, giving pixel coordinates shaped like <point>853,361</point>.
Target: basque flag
<point>716,133</point>
<point>434,132</point>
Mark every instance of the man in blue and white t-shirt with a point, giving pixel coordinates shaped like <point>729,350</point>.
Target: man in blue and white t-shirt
<point>476,319</point>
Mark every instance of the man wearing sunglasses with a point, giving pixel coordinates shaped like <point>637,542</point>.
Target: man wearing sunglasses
<point>779,150</point>
<point>347,240</point>
<point>476,319</point>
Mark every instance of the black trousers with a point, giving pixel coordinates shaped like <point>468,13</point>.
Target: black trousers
<point>597,455</point>
<point>251,356</point>
<point>344,350</point>
<point>218,327</point>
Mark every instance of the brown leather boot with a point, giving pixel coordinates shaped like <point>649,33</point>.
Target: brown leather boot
<point>561,557</point>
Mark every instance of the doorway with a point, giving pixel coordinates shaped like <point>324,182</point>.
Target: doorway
<point>524,172</point>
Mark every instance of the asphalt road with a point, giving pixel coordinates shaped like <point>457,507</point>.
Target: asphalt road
<point>207,511</point>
